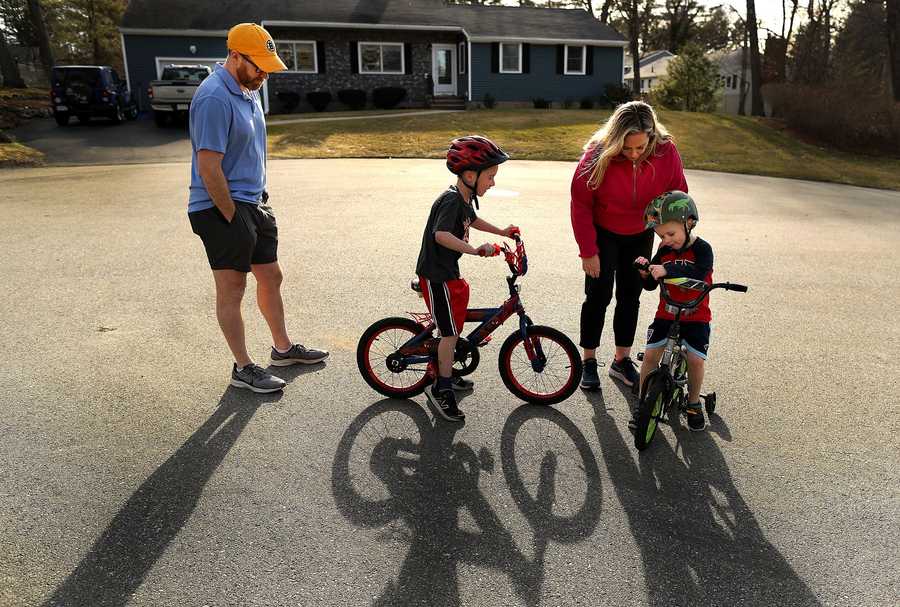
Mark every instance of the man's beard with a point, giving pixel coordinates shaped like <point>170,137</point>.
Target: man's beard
<point>250,82</point>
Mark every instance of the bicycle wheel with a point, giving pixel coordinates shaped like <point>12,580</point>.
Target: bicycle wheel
<point>381,364</point>
<point>650,409</point>
<point>556,381</point>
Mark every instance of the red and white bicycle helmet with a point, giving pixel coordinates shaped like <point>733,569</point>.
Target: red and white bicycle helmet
<point>473,153</point>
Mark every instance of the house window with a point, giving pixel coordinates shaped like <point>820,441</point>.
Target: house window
<point>381,58</point>
<point>510,58</point>
<point>575,59</point>
<point>298,55</point>
<point>462,57</point>
<point>734,82</point>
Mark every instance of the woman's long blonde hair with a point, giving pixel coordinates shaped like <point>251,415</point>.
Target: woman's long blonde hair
<point>628,119</point>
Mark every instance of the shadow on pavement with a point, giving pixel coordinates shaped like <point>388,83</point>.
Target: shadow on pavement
<point>128,548</point>
<point>700,542</point>
<point>394,464</point>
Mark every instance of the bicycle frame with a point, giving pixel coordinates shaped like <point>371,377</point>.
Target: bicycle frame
<point>673,339</point>
<point>422,347</point>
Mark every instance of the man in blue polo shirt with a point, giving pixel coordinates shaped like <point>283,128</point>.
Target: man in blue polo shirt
<point>227,206</point>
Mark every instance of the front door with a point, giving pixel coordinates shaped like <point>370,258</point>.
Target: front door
<point>443,68</point>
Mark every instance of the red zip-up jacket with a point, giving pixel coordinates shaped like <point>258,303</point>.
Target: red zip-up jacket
<point>618,204</point>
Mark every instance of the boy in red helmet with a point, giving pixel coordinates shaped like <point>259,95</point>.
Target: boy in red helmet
<point>475,161</point>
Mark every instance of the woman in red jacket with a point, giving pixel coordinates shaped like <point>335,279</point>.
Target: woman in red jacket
<point>627,163</point>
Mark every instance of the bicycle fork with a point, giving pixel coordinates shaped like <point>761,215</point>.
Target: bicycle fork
<point>532,344</point>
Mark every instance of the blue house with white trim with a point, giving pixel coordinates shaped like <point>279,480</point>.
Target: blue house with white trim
<point>438,52</point>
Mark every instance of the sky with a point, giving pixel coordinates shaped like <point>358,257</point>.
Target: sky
<point>767,11</point>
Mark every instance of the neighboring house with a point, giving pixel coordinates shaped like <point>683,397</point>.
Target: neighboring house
<point>734,80</point>
<point>653,69</point>
<point>430,48</point>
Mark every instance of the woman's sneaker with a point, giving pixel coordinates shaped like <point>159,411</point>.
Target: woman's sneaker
<point>625,371</point>
<point>695,419</point>
<point>297,354</point>
<point>253,377</point>
<point>444,404</point>
<point>590,380</point>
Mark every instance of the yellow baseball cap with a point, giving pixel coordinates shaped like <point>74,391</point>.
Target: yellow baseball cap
<point>255,42</point>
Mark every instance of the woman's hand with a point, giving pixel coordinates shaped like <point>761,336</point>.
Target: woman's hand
<point>509,231</point>
<point>591,266</point>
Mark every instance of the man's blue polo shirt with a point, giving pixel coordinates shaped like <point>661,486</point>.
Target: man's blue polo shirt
<point>227,120</point>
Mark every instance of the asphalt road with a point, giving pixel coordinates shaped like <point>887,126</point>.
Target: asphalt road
<point>131,474</point>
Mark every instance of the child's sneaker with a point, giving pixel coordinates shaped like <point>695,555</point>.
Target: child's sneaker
<point>444,404</point>
<point>461,384</point>
<point>696,421</point>
<point>589,378</point>
<point>625,371</point>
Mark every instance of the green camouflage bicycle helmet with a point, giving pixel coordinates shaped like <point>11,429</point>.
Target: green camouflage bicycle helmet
<point>671,206</point>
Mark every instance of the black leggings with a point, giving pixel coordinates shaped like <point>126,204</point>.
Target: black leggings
<point>617,255</point>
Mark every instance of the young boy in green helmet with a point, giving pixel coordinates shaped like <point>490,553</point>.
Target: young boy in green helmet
<point>672,216</point>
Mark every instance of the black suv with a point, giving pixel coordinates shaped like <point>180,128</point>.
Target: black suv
<point>90,90</point>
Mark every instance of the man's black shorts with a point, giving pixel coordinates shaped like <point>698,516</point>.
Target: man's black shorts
<point>250,238</point>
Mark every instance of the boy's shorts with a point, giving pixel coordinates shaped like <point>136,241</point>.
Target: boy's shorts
<point>250,238</point>
<point>447,302</point>
<point>695,335</point>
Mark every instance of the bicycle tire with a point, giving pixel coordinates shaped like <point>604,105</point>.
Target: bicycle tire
<point>374,369</point>
<point>544,388</point>
<point>650,409</point>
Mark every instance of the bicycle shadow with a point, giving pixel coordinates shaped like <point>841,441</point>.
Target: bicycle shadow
<point>418,475</point>
<point>116,565</point>
<point>699,540</point>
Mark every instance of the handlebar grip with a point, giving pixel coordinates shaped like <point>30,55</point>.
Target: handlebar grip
<point>736,287</point>
<point>493,253</point>
<point>641,266</point>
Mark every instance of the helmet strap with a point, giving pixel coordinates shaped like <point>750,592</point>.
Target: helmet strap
<point>473,196</point>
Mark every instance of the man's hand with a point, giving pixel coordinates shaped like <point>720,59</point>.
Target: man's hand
<point>510,230</point>
<point>591,266</point>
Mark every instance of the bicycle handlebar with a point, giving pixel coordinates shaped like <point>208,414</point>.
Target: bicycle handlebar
<point>704,288</point>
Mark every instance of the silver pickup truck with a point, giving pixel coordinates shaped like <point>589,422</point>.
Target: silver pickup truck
<point>170,96</point>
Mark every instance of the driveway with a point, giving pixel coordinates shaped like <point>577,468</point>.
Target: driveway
<point>133,475</point>
<point>101,142</point>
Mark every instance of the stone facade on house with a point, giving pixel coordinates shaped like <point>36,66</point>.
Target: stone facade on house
<point>339,75</point>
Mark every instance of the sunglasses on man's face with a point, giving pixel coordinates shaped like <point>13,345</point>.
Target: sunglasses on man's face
<point>250,61</point>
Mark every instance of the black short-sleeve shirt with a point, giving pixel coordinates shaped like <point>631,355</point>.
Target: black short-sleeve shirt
<point>449,213</point>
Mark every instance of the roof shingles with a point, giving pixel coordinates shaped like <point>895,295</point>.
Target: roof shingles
<point>478,21</point>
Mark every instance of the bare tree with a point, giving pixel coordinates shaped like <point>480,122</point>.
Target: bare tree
<point>892,27</point>
<point>605,10</point>
<point>756,100</point>
<point>36,13</point>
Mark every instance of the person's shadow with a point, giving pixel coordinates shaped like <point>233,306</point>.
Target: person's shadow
<point>134,540</point>
<point>699,540</point>
<point>393,463</point>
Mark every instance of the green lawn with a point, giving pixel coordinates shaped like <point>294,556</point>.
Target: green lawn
<point>711,142</point>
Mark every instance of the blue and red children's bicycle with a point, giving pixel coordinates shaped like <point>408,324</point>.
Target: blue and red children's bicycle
<point>398,356</point>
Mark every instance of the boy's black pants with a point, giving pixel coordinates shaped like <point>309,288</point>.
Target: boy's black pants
<point>617,255</point>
